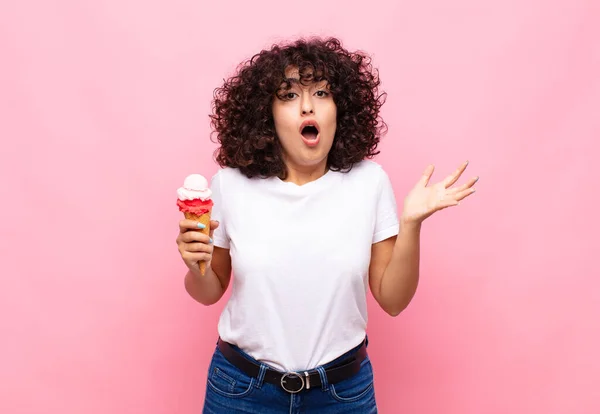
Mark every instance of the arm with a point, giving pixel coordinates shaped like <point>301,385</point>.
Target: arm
<point>211,287</point>
<point>195,247</point>
<point>394,269</point>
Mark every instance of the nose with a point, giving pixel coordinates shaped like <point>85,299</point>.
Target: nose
<point>307,105</point>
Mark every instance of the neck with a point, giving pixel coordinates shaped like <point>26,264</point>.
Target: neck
<point>303,175</point>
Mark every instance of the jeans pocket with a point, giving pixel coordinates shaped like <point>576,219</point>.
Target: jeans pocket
<point>227,380</point>
<point>357,387</point>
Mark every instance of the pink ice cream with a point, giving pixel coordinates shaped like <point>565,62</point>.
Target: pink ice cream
<point>195,195</point>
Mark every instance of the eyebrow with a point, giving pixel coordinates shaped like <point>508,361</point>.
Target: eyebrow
<point>296,81</point>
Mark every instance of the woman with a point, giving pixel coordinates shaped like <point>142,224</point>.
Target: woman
<point>307,224</point>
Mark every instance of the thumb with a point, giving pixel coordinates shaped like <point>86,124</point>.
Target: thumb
<point>213,226</point>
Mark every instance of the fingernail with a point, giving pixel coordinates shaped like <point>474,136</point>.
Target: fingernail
<point>476,179</point>
<point>201,226</point>
<point>210,240</point>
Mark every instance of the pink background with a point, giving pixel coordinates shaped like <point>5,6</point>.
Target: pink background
<point>103,110</point>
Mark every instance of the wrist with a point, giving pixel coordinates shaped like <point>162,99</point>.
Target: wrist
<point>194,274</point>
<point>410,224</point>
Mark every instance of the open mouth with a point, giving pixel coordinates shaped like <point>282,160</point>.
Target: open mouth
<point>310,132</point>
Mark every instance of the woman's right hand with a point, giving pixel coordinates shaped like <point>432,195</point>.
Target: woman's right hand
<point>194,246</point>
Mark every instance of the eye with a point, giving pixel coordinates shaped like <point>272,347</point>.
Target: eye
<point>321,94</point>
<point>289,96</point>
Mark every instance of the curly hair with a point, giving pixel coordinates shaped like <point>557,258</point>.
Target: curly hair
<point>242,116</point>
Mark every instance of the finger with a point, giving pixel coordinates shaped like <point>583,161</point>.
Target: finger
<point>186,225</point>
<point>213,226</point>
<point>450,202</point>
<point>426,176</point>
<point>194,236</point>
<point>464,194</point>
<point>452,178</point>
<point>197,247</point>
<point>463,187</point>
<point>195,257</point>
<point>455,199</point>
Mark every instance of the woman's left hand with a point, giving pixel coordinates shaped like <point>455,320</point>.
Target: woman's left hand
<point>423,200</point>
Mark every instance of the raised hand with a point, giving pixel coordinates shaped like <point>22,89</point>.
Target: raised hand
<point>424,199</point>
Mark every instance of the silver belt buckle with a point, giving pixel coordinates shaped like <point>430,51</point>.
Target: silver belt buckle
<point>286,384</point>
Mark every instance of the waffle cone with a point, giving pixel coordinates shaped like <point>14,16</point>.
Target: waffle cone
<point>204,219</point>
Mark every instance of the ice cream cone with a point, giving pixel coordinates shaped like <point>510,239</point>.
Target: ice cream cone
<point>194,200</point>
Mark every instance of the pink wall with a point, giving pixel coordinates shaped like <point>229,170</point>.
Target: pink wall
<point>103,112</point>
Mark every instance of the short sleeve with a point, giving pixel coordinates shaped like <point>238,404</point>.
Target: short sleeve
<point>220,237</point>
<point>386,221</point>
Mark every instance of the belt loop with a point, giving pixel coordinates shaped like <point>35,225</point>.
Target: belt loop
<point>261,376</point>
<point>323,375</point>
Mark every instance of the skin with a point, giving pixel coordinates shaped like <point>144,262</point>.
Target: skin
<point>305,102</point>
<point>394,266</point>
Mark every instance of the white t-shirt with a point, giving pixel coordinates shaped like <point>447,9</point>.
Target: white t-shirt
<point>300,258</point>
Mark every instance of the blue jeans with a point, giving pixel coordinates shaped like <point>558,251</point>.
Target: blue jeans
<point>229,390</point>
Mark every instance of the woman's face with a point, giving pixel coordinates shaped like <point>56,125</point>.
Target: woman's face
<point>305,122</point>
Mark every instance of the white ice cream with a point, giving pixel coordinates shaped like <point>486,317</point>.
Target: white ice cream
<point>195,186</point>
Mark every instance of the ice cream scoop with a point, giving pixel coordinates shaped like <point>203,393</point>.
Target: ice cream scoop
<point>195,186</point>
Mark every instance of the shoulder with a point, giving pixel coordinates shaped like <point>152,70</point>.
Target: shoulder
<point>370,170</point>
<point>228,175</point>
<point>223,172</point>
<point>371,175</point>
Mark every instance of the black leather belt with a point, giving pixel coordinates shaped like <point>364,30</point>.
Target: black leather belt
<point>294,382</point>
